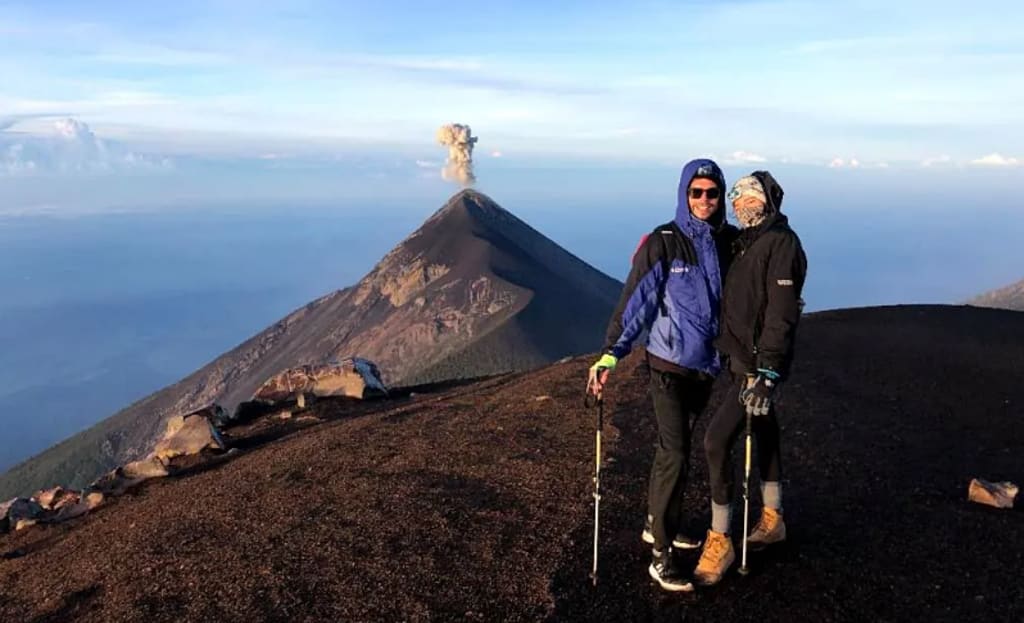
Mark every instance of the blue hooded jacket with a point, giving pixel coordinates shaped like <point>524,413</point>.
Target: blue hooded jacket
<point>674,289</point>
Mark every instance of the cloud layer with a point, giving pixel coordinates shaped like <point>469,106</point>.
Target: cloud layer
<point>69,146</point>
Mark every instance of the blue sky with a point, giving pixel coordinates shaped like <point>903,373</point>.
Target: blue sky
<point>865,84</point>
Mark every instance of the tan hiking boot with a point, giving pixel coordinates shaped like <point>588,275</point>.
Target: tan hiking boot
<point>771,529</point>
<point>714,561</point>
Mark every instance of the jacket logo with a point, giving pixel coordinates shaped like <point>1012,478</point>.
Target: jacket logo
<point>785,282</point>
<point>679,269</point>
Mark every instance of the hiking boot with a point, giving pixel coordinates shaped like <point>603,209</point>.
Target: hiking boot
<point>771,529</point>
<point>667,573</point>
<point>681,541</point>
<point>714,561</point>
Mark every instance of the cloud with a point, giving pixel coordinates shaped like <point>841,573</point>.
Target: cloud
<point>496,154</point>
<point>739,157</point>
<point>70,147</point>
<point>160,56</point>
<point>997,160</point>
<point>428,164</point>
<point>841,163</point>
<point>933,161</point>
<point>454,71</point>
<point>9,121</point>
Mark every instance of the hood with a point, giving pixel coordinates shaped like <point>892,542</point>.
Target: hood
<point>701,167</point>
<point>772,190</point>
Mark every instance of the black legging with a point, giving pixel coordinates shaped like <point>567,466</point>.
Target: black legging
<point>725,427</point>
<point>678,401</point>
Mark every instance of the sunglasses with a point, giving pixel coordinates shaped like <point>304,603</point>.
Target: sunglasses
<point>697,193</point>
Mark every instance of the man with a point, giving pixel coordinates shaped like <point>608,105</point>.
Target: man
<point>673,294</point>
<point>760,309</point>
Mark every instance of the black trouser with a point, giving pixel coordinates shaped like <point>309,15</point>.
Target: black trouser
<point>725,427</point>
<point>678,401</point>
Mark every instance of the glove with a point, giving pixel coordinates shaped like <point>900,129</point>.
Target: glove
<point>599,373</point>
<point>759,392</point>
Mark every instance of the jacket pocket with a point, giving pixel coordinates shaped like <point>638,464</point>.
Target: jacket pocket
<point>689,292</point>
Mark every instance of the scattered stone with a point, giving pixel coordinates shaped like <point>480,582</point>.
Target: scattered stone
<point>997,494</point>
<point>118,481</point>
<point>86,502</point>
<point>19,513</point>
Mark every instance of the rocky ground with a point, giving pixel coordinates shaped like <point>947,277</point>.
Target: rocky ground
<point>472,502</point>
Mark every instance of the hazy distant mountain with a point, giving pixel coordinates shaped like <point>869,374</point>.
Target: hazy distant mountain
<point>474,291</point>
<point>1010,297</point>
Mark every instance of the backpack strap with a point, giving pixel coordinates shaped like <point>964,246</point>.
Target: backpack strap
<point>662,232</point>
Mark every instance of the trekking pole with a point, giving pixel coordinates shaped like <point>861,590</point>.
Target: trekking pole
<point>599,400</point>
<point>744,570</point>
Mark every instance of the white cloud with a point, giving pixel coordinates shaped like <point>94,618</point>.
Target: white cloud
<point>936,161</point>
<point>997,160</point>
<point>70,146</point>
<point>738,157</point>
<point>840,163</point>
<point>428,164</point>
<point>496,154</point>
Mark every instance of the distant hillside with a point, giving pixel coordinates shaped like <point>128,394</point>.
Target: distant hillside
<point>474,291</point>
<point>1010,297</point>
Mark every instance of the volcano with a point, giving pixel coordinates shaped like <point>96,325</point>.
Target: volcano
<point>475,291</point>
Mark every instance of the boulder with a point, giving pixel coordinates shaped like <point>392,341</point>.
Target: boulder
<point>56,498</point>
<point>354,377</point>
<point>189,434</point>
<point>19,513</point>
<point>87,501</point>
<point>120,480</point>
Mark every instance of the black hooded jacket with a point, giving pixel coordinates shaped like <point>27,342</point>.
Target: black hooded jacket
<point>761,301</point>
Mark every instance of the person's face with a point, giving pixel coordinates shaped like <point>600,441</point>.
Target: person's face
<point>746,203</point>
<point>702,205</point>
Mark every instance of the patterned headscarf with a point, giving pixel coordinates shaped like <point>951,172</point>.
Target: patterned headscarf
<point>749,215</point>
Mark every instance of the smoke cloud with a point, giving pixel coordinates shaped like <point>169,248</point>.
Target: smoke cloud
<point>459,140</point>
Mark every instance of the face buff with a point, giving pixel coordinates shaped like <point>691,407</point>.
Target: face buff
<point>749,201</point>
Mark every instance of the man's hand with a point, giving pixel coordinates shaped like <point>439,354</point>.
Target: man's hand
<point>598,375</point>
<point>759,392</point>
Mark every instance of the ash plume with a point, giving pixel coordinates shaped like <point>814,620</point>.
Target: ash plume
<point>459,140</point>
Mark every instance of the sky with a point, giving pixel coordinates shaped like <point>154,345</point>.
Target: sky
<point>147,88</point>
